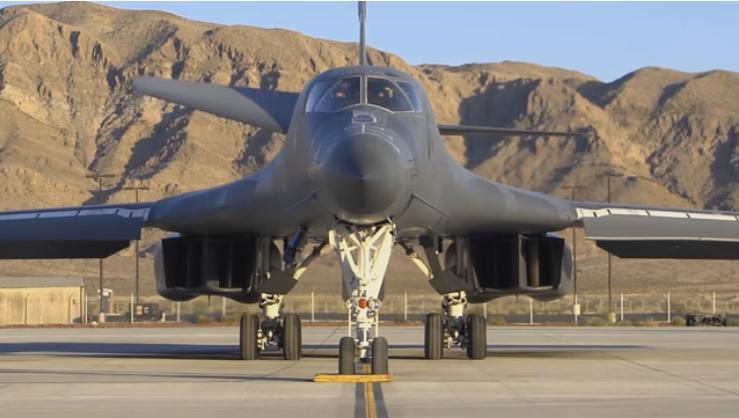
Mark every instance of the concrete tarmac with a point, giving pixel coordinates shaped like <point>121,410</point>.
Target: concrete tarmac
<point>530,372</point>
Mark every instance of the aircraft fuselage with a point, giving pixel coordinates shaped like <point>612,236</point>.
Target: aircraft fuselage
<point>363,163</point>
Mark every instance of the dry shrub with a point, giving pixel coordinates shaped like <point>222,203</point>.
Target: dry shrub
<point>595,321</point>
<point>650,322</point>
<point>678,321</point>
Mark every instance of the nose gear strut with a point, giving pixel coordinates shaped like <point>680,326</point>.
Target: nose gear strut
<point>364,253</point>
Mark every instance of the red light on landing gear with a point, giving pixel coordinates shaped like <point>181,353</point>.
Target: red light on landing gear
<point>363,303</point>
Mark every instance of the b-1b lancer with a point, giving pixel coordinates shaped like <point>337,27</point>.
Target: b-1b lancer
<point>363,168</point>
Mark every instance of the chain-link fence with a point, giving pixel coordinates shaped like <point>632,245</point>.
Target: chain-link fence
<point>631,308</point>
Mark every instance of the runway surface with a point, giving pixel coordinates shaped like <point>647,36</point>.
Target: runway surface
<point>530,372</point>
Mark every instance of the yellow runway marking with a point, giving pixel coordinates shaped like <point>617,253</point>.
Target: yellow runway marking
<point>352,378</point>
<point>367,379</point>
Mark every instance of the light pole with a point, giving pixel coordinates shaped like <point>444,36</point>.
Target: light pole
<point>611,311</point>
<point>136,189</point>
<point>575,304</point>
<point>99,178</point>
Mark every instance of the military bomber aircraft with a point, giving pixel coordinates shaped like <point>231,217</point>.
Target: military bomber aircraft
<point>363,168</point>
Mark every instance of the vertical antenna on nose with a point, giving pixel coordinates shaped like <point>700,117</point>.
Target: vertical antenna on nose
<point>362,46</point>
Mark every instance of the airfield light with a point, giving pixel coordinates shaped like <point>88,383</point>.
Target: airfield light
<point>575,305</point>
<point>136,187</point>
<point>99,178</point>
<point>611,311</point>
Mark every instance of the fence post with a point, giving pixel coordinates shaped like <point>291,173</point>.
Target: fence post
<point>82,300</point>
<point>669,314</point>
<point>223,307</point>
<point>531,311</point>
<point>405,306</point>
<point>25,310</point>
<point>69,309</point>
<point>178,311</point>
<point>312,306</point>
<point>713,303</point>
<point>622,307</point>
<point>485,310</point>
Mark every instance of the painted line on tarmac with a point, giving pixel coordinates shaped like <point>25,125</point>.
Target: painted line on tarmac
<point>379,400</point>
<point>359,401</point>
<point>370,402</point>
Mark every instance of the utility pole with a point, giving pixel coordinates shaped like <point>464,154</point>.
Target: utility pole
<point>575,304</point>
<point>611,311</point>
<point>99,178</point>
<point>136,189</point>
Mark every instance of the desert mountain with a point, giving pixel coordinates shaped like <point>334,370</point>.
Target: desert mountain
<point>66,110</point>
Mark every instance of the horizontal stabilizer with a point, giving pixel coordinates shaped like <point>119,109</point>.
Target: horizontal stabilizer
<point>270,110</point>
<point>86,232</point>
<point>495,131</point>
<point>632,232</point>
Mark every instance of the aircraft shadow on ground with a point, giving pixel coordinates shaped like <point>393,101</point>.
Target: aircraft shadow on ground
<point>152,350</point>
<point>123,350</point>
<point>230,352</point>
<point>136,377</point>
<point>522,351</point>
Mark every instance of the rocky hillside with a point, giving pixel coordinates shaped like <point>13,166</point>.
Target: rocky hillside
<point>66,110</point>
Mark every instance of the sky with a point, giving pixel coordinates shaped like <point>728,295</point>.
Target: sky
<point>606,40</point>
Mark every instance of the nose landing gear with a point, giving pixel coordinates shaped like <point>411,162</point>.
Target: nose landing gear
<point>364,253</point>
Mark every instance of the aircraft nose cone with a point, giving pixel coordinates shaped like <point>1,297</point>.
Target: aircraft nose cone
<point>363,176</point>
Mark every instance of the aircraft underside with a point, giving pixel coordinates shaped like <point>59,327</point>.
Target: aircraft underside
<point>462,270</point>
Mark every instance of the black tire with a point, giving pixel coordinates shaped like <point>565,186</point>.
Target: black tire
<point>379,355</point>
<point>477,337</point>
<point>292,344</point>
<point>248,337</point>
<point>347,348</point>
<point>433,338</point>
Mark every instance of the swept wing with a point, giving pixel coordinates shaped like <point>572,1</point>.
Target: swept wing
<point>498,131</point>
<point>266,109</point>
<point>632,231</point>
<point>76,232</point>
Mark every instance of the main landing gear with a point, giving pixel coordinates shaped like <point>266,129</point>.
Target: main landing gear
<point>364,253</point>
<point>450,328</point>
<point>276,332</point>
<point>454,329</point>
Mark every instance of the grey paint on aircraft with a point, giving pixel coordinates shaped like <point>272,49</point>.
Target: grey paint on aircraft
<point>375,158</point>
<point>363,164</point>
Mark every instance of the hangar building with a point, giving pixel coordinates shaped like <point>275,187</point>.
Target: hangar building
<point>41,300</point>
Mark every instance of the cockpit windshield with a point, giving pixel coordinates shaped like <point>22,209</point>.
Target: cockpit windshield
<point>330,98</point>
<point>384,93</point>
<point>332,95</point>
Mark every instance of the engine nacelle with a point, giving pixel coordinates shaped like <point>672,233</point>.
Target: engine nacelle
<point>234,267</point>
<point>495,266</point>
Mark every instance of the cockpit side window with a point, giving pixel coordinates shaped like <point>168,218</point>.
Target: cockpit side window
<point>410,91</point>
<point>384,93</point>
<point>326,97</point>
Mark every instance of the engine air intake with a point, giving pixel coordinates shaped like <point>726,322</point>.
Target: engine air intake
<point>494,266</point>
